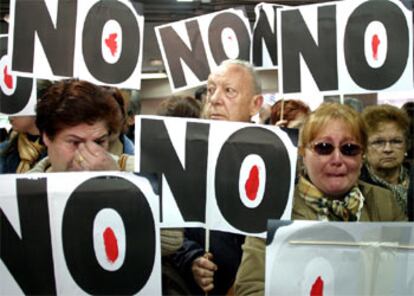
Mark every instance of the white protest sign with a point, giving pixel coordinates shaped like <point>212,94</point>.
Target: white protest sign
<point>191,48</point>
<point>264,40</point>
<point>346,47</point>
<point>17,94</point>
<point>98,41</point>
<point>78,233</point>
<point>334,258</point>
<point>228,176</point>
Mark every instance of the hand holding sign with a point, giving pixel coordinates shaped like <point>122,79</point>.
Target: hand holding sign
<point>203,269</point>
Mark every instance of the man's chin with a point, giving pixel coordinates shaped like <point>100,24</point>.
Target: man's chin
<point>218,117</point>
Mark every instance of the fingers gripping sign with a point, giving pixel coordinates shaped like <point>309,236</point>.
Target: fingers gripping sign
<point>203,269</point>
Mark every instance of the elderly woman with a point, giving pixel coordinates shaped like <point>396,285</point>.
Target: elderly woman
<point>387,128</point>
<point>332,142</point>
<point>76,119</point>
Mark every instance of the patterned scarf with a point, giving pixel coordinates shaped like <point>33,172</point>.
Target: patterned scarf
<point>399,190</point>
<point>29,152</point>
<point>348,209</point>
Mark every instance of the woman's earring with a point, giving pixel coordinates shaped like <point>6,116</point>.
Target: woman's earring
<point>405,154</point>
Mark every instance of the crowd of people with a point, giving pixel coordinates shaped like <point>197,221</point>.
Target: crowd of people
<point>352,166</point>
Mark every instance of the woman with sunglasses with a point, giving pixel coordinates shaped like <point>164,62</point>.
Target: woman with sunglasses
<point>331,143</point>
<point>387,129</point>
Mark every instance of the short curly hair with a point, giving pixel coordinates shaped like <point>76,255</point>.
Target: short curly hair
<point>375,115</point>
<point>71,102</point>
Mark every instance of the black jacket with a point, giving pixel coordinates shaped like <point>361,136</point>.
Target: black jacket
<point>226,250</point>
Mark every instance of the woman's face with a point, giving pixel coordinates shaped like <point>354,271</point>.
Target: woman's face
<point>62,149</point>
<point>386,147</point>
<point>334,174</point>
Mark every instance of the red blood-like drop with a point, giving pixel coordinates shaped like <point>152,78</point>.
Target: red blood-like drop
<point>111,43</point>
<point>8,79</point>
<point>375,42</point>
<point>252,183</point>
<point>111,245</point>
<point>317,287</point>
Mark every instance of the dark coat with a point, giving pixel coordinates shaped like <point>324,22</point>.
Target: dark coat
<point>226,250</point>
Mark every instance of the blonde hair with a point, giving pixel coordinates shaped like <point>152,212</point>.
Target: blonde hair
<point>332,111</point>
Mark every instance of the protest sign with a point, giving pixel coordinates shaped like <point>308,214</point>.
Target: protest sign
<point>17,94</point>
<point>228,176</point>
<point>264,40</point>
<point>334,258</point>
<point>98,41</point>
<point>192,48</point>
<point>345,47</point>
<point>77,233</point>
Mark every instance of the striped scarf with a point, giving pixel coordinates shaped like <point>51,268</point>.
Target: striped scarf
<point>399,190</point>
<point>347,209</point>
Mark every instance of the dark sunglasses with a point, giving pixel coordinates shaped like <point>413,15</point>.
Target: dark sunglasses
<point>326,148</point>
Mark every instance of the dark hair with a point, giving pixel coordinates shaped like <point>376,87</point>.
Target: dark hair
<point>42,86</point>
<point>71,102</point>
<point>179,107</point>
<point>120,99</point>
<point>291,109</point>
<point>199,92</point>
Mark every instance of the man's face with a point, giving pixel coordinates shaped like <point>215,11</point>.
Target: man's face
<point>230,94</point>
<point>61,150</point>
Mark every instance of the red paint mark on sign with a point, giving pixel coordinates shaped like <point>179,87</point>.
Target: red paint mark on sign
<point>375,42</point>
<point>317,287</point>
<point>8,79</point>
<point>111,43</point>
<point>252,183</point>
<point>111,245</point>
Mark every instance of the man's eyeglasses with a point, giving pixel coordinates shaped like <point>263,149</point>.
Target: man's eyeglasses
<point>381,143</point>
<point>326,148</point>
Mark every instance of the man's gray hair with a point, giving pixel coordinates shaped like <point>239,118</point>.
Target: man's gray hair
<point>257,86</point>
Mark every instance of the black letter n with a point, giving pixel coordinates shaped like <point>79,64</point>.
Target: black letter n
<point>58,42</point>
<point>320,56</point>
<point>29,258</point>
<point>158,155</point>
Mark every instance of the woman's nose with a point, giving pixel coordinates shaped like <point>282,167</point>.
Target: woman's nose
<point>337,156</point>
